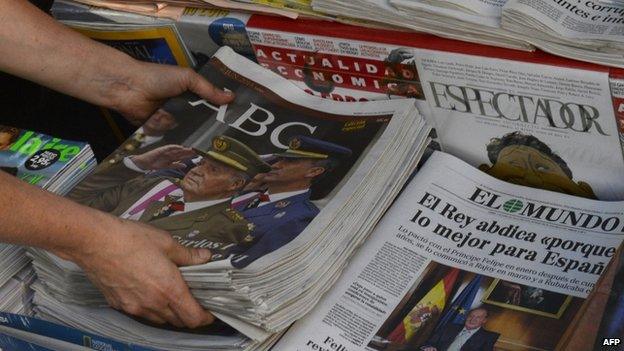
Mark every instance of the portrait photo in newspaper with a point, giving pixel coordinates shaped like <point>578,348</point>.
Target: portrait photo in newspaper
<point>282,162</point>
<point>449,308</point>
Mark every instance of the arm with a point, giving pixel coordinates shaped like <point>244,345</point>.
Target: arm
<point>134,265</point>
<point>36,47</point>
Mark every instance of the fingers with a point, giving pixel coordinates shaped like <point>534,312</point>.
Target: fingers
<point>166,315</point>
<point>183,256</point>
<point>189,310</point>
<point>182,152</point>
<point>200,86</point>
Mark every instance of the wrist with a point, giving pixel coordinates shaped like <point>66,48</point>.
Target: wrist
<point>96,231</point>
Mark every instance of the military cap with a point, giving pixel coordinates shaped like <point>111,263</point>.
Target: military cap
<point>236,155</point>
<point>307,147</point>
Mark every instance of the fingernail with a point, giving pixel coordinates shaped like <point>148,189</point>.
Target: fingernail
<point>228,93</point>
<point>204,254</point>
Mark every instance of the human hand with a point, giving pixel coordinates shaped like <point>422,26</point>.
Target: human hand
<point>135,266</point>
<point>149,85</point>
<point>164,157</point>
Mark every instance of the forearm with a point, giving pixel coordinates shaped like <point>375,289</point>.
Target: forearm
<point>36,47</point>
<point>33,217</point>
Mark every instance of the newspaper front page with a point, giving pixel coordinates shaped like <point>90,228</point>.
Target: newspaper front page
<point>488,110</point>
<point>465,259</point>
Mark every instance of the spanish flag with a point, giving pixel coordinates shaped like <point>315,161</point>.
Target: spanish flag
<point>426,310</point>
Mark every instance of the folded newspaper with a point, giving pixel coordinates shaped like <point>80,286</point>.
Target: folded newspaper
<point>582,30</point>
<point>465,261</point>
<point>473,21</point>
<point>282,186</point>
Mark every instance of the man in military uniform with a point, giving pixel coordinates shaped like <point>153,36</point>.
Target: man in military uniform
<point>114,168</point>
<point>148,137</point>
<point>285,210</point>
<point>197,209</point>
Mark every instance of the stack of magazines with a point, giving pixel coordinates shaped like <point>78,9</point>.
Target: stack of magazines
<point>50,163</point>
<point>53,164</point>
<point>280,185</point>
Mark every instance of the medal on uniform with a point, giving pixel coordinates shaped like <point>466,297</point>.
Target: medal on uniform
<point>282,204</point>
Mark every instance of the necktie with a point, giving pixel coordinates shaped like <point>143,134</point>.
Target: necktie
<point>257,201</point>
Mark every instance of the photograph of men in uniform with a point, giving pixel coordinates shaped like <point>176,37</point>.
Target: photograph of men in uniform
<point>195,210</point>
<point>148,137</point>
<point>284,210</point>
<point>525,160</point>
<point>472,336</point>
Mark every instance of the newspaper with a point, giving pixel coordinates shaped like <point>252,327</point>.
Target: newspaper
<point>433,17</point>
<point>465,260</point>
<point>502,106</point>
<point>584,30</point>
<point>480,99</point>
<point>160,8</point>
<point>280,185</point>
<point>578,20</point>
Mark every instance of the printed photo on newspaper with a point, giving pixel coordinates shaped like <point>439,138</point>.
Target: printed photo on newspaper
<point>465,261</point>
<point>281,186</point>
<point>256,166</point>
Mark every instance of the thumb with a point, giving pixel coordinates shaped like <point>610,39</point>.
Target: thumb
<point>200,86</point>
<point>186,256</point>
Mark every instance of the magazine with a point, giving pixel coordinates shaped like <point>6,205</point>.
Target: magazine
<point>151,43</point>
<point>280,185</point>
<point>202,30</point>
<point>51,163</point>
<point>465,260</point>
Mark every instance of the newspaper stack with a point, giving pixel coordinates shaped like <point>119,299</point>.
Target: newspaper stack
<point>585,31</point>
<point>473,21</point>
<point>309,178</point>
<point>50,163</point>
<point>15,277</point>
<point>462,250</point>
<point>173,8</point>
<point>15,294</point>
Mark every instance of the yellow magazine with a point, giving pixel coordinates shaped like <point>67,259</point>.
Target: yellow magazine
<point>158,44</point>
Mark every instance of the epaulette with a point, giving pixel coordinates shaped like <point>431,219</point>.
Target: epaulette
<point>234,215</point>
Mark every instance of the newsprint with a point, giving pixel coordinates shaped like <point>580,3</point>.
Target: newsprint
<point>465,259</point>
